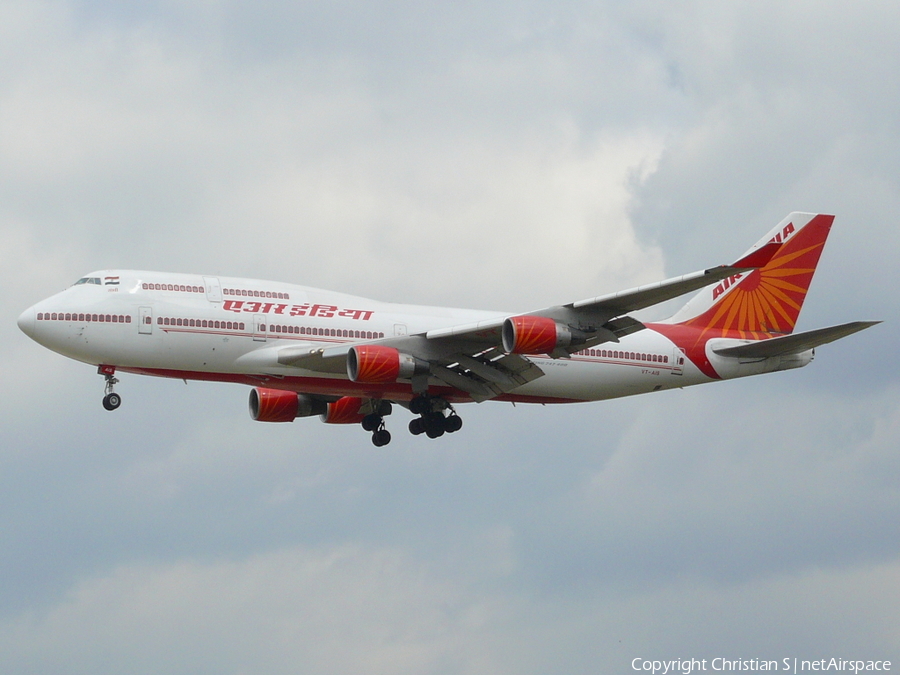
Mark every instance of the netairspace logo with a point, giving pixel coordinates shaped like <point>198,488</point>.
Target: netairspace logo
<point>788,665</point>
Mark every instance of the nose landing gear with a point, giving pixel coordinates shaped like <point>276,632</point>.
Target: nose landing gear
<point>111,400</point>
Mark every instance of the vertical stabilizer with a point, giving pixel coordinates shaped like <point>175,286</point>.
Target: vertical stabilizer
<point>766,301</point>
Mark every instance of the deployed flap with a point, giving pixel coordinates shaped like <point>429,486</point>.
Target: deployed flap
<point>489,374</point>
<point>795,343</point>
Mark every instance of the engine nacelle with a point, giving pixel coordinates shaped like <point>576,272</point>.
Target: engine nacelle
<point>377,364</point>
<point>534,335</point>
<point>277,405</point>
<point>344,411</point>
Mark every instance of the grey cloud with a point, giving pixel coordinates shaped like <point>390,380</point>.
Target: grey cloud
<point>491,155</point>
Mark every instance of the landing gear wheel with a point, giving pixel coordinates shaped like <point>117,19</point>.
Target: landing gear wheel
<point>372,422</point>
<point>453,424</point>
<point>434,425</point>
<point>112,401</point>
<point>436,417</point>
<point>419,405</point>
<point>381,438</point>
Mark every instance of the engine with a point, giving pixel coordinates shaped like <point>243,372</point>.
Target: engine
<point>534,335</point>
<point>377,364</point>
<point>277,405</point>
<point>344,411</point>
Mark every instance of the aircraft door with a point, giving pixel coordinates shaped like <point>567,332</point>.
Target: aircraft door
<point>678,361</point>
<point>213,289</point>
<point>259,327</point>
<point>145,320</point>
<point>399,329</point>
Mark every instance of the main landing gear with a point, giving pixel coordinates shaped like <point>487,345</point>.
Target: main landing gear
<point>111,400</point>
<point>436,417</point>
<point>374,422</point>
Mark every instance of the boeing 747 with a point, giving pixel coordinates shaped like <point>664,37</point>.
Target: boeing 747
<point>351,360</point>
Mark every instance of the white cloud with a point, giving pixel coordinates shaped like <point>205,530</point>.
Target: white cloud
<point>351,609</point>
<point>328,611</point>
<point>494,155</point>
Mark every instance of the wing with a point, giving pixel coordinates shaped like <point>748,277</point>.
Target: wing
<point>489,358</point>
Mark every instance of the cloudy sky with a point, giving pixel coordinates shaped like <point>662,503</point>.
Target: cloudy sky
<point>489,154</point>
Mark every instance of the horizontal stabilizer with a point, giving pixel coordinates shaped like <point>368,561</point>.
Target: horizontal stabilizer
<point>795,343</point>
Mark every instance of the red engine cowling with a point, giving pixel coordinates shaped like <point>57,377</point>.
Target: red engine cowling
<point>377,364</point>
<point>344,411</point>
<point>534,335</point>
<point>276,405</point>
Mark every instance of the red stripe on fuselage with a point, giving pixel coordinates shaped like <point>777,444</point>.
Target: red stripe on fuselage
<point>691,341</point>
<point>335,386</point>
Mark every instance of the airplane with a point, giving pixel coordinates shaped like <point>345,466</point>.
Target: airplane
<point>350,360</point>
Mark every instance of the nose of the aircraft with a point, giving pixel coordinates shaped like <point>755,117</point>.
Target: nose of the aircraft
<point>26,322</point>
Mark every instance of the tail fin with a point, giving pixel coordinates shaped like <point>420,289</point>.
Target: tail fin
<point>766,301</point>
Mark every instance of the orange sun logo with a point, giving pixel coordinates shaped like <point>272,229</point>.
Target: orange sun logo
<point>767,301</point>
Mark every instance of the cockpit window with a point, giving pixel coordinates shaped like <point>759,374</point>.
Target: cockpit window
<point>88,280</point>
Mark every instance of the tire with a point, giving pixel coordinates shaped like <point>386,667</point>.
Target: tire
<point>416,426</point>
<point>453,424</point>
<point>112,401</point>
<point>371,422</point>
<point>434,424</point>
<point>381,438</point>
<point>434,432</point>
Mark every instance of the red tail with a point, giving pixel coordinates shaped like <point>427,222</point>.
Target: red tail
<point>767,301</point>
<point>754,305</point>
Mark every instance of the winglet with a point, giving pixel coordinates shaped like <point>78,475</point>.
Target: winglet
<point>760,257</point>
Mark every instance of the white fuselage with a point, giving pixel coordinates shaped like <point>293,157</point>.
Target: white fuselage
<point>223,329</point>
